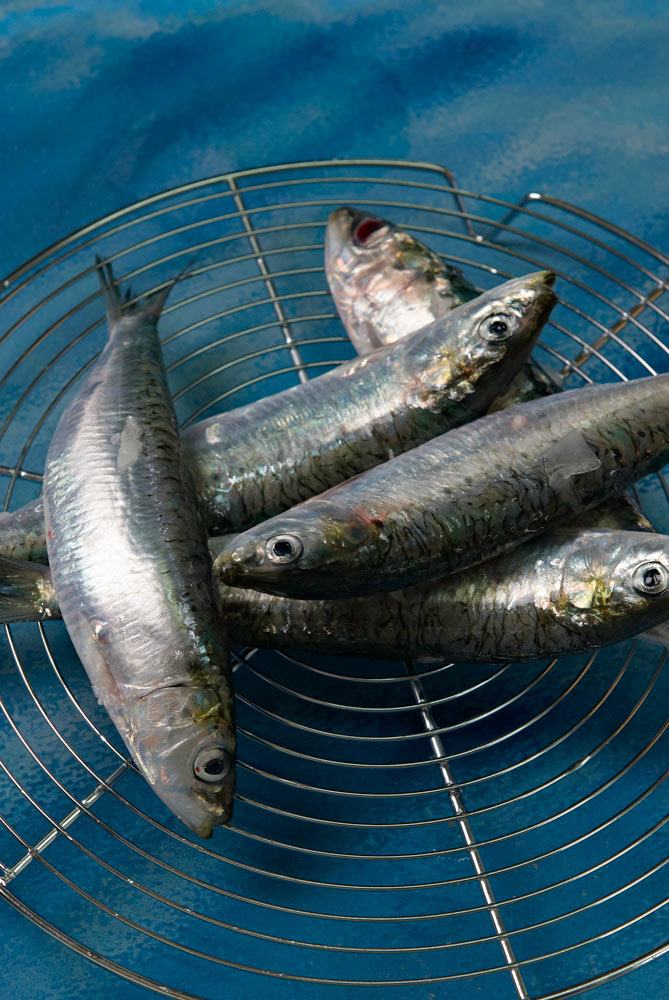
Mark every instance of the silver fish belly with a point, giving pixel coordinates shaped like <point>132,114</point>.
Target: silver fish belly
<point>129,562</point>
<point>461,498</point>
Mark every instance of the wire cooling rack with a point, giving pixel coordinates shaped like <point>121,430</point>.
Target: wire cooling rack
<point>409,831</point>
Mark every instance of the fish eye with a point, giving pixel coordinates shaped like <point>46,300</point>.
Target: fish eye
<point>498,327</point>
<point>211,764</point>
<point>366,229</point>
<point>650,578</point>
<point>284,548</point>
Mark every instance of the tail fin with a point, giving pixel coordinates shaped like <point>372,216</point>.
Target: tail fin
<point>26,592</point>
<point>150,305</point>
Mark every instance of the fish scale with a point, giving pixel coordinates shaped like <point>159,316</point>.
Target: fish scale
<point>485,486</point>
<point>250,463</point>
<point>534,601</point>
<point>129,561</point>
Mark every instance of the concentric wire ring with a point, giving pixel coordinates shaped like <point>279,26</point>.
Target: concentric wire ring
<point>396,826</point>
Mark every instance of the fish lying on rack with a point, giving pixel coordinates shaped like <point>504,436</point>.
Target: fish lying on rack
<point>130,565</point>
<point>386,284</point>
<point>560,593</point>
<point>258,460</point>
<point>461,498</point>
<point>27,592</point>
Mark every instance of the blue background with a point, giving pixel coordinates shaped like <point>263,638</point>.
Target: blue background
<point>105,102</point>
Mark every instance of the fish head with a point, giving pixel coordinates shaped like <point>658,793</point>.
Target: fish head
<point>288,552</point>
<point>384,280</point>
<point>615,576</point>
<point>493,333</point>
<point>354,239</point>
<point>184,741</point>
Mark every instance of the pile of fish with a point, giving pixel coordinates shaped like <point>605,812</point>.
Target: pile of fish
<point>437,497</point>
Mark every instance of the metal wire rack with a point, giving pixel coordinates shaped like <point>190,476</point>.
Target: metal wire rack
<point>411,831</point>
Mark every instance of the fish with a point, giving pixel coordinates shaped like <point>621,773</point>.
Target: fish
<point>253,462</point>
<point>129,562</point>
<point>461,498</point>
<point>386,284</point>
<point>22,533</point>
<point>561,593</point>
<point>558,594</point>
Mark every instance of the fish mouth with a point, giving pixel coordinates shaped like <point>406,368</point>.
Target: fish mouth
<point>543,278</point>
<point>201,809</point>
<point>340,227</point>
<point>204,827</point>
<point>340,215</point>
<point>355,227</point>
<point>227,569</point>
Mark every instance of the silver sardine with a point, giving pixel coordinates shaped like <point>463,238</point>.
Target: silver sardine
<point>129,561</point>
<point>251,463</point>
<point>461,498</point>
<point>258,460</point>
<point>386,284</point>
<point>560,593</point>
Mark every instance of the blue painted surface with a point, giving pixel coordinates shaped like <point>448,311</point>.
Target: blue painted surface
<point>105,103</point>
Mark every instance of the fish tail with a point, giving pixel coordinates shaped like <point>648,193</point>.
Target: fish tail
<point>110,292</point>
<point>26,592</point>
<point>151,305</point>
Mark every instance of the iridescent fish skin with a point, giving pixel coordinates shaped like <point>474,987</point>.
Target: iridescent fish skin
<point>560,593</point>
<point>129,563</point>
<point>22,533</point>
<point>461,498</point>
<point>27,592</point>
<point>251,463</point>
<point>386,284</point>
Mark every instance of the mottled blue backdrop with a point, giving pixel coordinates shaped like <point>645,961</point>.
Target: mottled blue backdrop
<point>105,102</point>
